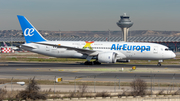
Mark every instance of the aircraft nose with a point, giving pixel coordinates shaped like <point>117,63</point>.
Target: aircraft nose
<point>173,55</point>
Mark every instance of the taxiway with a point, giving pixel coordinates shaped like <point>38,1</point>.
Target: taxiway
<point>71,71</point>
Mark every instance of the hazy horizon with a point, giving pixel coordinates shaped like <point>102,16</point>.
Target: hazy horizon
<point>93,15</point>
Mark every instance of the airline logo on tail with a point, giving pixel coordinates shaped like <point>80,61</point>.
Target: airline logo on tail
<point>5,45</point>
<point>29,32</point>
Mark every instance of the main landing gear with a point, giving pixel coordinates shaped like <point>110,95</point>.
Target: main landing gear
<point>159,63</point>
<point>89,62</point>
<point>92,63</point>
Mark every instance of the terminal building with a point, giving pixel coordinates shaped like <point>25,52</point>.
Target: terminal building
<point>124,23</point>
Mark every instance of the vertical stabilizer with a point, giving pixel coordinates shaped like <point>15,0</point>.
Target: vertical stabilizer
<point>29,31</point>
<point>5,45</point>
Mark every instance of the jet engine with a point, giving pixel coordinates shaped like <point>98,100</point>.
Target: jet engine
<point>107,57</point>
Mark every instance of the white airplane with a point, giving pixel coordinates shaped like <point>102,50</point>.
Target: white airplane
<point>12,47</point>
<point>103,52</point>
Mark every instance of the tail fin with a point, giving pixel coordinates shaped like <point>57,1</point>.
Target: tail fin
<point>29,31</point>
<point>5,45</point>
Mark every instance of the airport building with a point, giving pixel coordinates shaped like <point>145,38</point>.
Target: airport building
<point>172,42</point>
<point>124,23</point>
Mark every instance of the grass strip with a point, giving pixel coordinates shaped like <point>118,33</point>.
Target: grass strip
<point>89,83</point>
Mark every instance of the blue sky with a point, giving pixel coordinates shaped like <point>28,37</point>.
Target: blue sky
<point>91,15</point>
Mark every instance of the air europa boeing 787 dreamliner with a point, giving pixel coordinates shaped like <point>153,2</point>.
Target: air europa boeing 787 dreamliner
<point>103,52</point>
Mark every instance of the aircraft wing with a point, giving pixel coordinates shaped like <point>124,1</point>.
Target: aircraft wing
<point>83,51</point>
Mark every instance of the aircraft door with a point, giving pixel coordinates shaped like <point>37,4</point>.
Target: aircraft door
<point>129,54</point>
<point>47,48</point>
<point>54,50</point>
<point>155,49</point>
<point>162,52</point>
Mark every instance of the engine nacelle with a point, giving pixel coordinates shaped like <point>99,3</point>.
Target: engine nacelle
<point>107,57</point>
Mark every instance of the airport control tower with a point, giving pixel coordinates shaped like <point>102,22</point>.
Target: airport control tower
<point>125,23</point>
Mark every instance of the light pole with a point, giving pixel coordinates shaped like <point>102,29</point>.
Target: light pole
<point>94,84</point>
<point>115,83</point>
<point>154,81</point>
<point>54,83</point>
<point>173,81</point>
<point>75,84</point>
<point>151,83</point>
<point>11,84</point>
<point>119,83</point>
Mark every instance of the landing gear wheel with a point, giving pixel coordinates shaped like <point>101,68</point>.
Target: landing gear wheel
<point>88,63</point>
<point>96,63</point>
<point>92,63</point>
<point>159,64</point>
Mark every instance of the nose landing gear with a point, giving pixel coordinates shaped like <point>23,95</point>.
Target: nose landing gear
<point>159,63</point>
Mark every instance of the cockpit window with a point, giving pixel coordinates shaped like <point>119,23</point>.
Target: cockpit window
<point>167,49</point>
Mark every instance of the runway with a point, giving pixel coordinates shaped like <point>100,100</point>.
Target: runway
<point>78,65</point>
<point>21,70</point>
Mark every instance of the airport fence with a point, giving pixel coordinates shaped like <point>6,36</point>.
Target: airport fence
<point>114,83</point>
<point>155,82</point>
